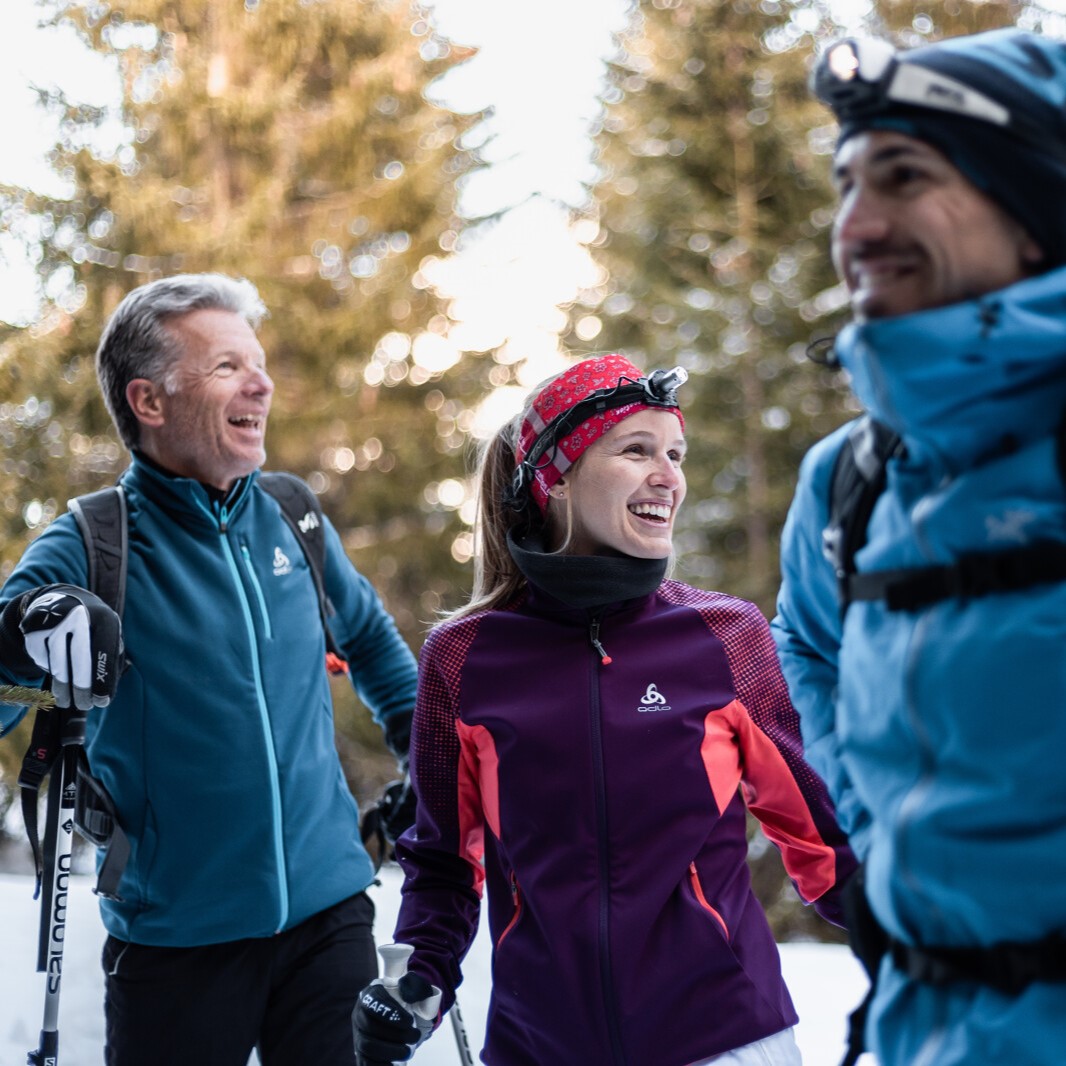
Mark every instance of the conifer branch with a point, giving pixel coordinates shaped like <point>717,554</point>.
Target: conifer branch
<point>21,695</point>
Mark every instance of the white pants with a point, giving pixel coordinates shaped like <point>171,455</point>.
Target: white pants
<point>777,1050</point>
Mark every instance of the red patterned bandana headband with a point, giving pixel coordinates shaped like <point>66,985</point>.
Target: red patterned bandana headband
<point>576,409</point>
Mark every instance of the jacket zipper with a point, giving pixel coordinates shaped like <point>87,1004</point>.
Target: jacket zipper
<point>701,899</point>
<point>614,1030</point>
<point>516,900</point>
<point>594,640</point>
<point>264,721</point>
<point>246,555</point>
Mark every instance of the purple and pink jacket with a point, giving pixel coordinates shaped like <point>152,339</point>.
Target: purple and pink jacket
<point>604,805</point>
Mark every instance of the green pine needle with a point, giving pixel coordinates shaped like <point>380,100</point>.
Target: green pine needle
<point>20,695</point>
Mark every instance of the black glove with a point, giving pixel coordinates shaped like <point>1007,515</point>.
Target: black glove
<point>76,638</point>
<point>387,1029</point>
<point>397,808</point>
<point>398,736</point>
<point>384,823</point>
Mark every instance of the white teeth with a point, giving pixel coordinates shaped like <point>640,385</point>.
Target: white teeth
<point>247,420</point>
<point>654,510</point>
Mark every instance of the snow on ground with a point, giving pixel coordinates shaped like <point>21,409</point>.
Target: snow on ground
<point>825,981</point>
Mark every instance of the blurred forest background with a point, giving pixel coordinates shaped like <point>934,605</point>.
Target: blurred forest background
<point>302,144</point>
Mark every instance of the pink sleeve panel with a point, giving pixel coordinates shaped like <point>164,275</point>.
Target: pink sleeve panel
<point>478,794</point>
<point>757,736</point>
<point>774,797</point>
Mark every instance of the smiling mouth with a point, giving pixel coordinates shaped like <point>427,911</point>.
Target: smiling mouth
<point>872,269</point>
<point>247,422</point>
<point>652,512</point>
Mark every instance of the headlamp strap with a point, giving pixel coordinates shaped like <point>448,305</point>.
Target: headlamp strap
<point>659,389</point>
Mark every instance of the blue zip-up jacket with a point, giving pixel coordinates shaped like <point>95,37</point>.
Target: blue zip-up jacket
<point>218,748</point>
<point>604,806</point>
<point>938,730</point>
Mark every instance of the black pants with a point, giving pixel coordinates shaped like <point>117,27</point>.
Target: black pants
<point>291,995</point>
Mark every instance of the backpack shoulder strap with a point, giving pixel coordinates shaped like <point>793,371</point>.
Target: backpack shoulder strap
<point>303,514</point>
<point>858,480</point>
<point>101,517</point>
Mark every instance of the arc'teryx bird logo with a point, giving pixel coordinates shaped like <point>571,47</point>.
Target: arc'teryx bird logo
<point>653,700</point>
<point>281,563</point>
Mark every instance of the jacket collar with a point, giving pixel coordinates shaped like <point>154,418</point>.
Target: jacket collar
<point>585,581</point>
<point>186,500</point>
<point>969,381</point>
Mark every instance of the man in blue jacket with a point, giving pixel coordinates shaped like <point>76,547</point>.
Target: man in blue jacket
<point>241,919</point>
<point>931,692</point>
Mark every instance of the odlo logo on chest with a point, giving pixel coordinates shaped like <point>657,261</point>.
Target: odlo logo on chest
<point>652,700</point>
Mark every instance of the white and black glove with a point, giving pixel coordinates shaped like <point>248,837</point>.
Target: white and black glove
<point>388,1024</point>
<point>76,638</point>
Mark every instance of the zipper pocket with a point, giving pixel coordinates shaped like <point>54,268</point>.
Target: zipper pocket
<point>516,899</point>
<point>701,899</point>
<point>259,597</point>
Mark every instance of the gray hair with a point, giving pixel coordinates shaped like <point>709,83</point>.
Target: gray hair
<point>136,343</point>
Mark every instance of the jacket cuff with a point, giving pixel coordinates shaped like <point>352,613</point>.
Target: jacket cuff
<point>398,735</point>
<point>12,640</point>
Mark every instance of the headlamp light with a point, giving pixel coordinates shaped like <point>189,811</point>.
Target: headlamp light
<point>859,79</point>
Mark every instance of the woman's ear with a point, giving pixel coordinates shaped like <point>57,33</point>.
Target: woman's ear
<point>146,401</point>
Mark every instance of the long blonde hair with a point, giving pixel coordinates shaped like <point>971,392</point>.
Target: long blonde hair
<point>497,580</point>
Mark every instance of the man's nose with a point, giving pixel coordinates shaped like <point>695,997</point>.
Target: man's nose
<point>861,216</point>
<point>259,382</point>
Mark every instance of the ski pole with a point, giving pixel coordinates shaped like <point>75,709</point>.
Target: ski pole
<point>395,958</point>
<point>59,842</point>
<point>461,1041</point>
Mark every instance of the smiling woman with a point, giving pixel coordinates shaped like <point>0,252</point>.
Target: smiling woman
<point>622,498</point>
<point>580,683</point>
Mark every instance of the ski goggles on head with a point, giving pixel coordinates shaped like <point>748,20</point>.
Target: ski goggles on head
<point>864,78</point>
<point>657,389</point>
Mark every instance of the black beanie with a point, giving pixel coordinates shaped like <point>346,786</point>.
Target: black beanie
<point>995,106</point>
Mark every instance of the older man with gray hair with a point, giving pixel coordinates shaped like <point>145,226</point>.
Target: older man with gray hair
<point>240,920</point>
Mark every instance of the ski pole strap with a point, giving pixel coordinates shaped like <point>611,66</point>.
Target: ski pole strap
<point>974,575</point>
<point>371,831</point>
<point>96,820</point>
<point>37,764</point>
<point>116,856</point>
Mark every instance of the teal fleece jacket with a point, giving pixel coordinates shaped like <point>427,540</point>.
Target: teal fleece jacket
<point>218,749</point>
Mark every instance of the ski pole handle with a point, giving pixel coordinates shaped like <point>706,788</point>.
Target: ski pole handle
<point>395,957</point>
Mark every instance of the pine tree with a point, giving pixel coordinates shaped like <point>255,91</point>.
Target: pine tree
<point>291,142</point>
